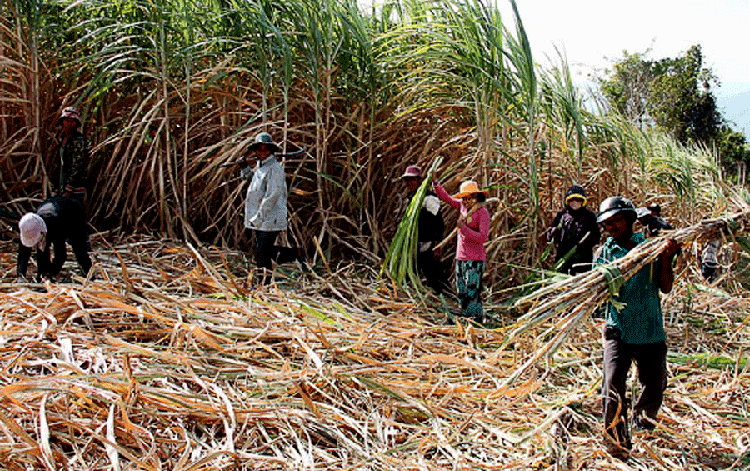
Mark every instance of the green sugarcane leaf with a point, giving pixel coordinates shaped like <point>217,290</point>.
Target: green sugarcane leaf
<point>401,258</point>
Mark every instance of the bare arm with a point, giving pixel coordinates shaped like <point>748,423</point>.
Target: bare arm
<point>666,273</point>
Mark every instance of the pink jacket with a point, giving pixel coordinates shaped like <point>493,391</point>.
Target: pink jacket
<point>474,234</point>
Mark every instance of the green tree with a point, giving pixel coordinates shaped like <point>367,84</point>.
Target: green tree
<point>676,96</point>
<point>681,101</point>
<point>627,86</point>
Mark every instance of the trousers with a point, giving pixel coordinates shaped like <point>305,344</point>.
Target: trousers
<point>651,360</point>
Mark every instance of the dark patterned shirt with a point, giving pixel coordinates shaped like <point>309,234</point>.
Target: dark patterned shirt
<point>74,160</point>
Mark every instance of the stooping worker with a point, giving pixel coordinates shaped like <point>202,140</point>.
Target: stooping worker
<point>473,231</point>
<point>265,207</point>
<point>634,329</point>
<point>73,153</point>
<point>430,228</point>
<point>575,232</point>
<point>58,219</point>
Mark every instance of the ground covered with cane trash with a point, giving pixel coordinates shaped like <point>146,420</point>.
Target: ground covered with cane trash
<point>170,360</point>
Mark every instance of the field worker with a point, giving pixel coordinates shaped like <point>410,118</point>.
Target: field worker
<point>74,157</point>
<point>634,329</point>
<point>57,220</point>
<point>710,260</point>
<point>655,210</point>
<point>574,229</point>
<point>265,207</point>
<point>473,231</point>
<point>429,231</point>
<point>652,224</point>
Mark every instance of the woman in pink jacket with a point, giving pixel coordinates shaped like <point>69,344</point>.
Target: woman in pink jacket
<point>473,231</point>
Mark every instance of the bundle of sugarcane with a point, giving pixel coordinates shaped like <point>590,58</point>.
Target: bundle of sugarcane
<point>400,261</point>
<point>572,300</point>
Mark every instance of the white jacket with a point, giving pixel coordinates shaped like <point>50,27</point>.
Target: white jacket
<point>265,206</point>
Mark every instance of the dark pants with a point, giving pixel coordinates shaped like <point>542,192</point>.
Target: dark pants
<point>433,272</point>
<point>651,360</point>
<point>708,271</point>
<point>265,252</point>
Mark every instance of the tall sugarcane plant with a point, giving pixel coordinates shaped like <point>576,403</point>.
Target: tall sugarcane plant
<point>401,260</point>
<point>171,89</point>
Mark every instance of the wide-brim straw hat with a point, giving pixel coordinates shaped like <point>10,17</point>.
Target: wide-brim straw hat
<point>264,139</point>
<point>469,188</point>
<point>70,112</point>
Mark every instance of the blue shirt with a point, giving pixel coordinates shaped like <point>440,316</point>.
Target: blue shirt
<point>640,320</point>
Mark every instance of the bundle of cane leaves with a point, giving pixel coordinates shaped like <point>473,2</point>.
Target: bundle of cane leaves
<point>573,300</point>
<point>152,366</point>
<point>401,259</point>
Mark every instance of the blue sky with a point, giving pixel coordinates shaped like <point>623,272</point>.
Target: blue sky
<point>593,33</point>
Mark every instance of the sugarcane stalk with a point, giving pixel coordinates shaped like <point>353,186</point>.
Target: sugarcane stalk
<point>586,291</point>
<point>401,258</point>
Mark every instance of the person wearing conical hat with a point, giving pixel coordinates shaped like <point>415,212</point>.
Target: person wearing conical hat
<point>473,232</point>
<point>430,228</point>
<point>265,207</point>
<point>58,221</point>
<point>575,232</point>
<point>73,153</point>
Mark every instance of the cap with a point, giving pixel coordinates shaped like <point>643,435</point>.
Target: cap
<point>412,171</point>
<point>32,227</point>
<point>72,113</point>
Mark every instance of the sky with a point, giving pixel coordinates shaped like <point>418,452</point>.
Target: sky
<point>594,33</point>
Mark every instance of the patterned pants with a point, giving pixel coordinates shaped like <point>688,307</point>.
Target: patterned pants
<point>469,287</point>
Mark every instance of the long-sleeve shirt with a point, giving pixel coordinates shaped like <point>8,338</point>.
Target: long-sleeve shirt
<point>65,221</point>
<point>74,161</point>
<point>265,205</point>
<point>473,235</point>
<point>431,225</point>
<point>576,228</point>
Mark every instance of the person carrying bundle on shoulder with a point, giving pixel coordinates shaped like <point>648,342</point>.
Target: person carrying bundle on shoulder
<point>473,231</point>
<point>634,329</point>
<point>430,228</point>
<point>58,219</point>
<point>575,232</point>
<point>265,207</point>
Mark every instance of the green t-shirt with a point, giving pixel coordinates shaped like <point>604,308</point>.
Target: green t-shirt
<point>640,320</point>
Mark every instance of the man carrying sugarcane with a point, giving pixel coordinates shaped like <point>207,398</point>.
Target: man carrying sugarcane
<point>634,329</point>
<point>430,227</point>
<point>575,233</point>
<point>265,207</point>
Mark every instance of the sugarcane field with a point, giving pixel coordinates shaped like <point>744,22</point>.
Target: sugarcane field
<point>314,235</point>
